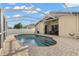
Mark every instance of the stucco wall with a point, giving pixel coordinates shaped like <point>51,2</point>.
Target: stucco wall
<point>40,27</point>
<point>68,24</point>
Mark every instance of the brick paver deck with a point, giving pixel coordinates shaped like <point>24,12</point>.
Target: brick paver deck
<point>64,47</point>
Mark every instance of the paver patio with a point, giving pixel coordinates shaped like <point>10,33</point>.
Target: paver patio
<point>64,47</point>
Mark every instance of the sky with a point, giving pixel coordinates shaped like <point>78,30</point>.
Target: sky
<point>44,7</point>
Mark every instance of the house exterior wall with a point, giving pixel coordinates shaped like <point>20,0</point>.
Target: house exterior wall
<point>68,24</point>
<point>40,27</point>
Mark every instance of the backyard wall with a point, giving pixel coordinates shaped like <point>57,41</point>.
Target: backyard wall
<point>69,24</point>
<point>20,31</point>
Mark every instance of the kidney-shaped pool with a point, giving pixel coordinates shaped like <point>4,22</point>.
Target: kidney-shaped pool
<point>34,40</point>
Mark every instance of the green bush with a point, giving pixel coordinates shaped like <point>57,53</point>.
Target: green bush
<point>18,26</point>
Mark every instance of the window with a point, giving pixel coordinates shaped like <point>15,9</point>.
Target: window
<point>56,27</point>
<point>52,27</point>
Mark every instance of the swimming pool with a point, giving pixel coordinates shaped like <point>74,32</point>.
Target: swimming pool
<point>34,40</point>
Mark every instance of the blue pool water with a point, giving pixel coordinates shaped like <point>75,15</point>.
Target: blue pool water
<point>34,40</point>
